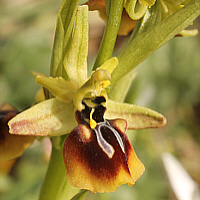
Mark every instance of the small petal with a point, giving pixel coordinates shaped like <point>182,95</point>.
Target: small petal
<point>138,117</point>
<point>101,159</point>
<point>63,90</point>
<point>48,118</point>
<point>110,64</point>
<point>11,146</point>
<point>135,9</point>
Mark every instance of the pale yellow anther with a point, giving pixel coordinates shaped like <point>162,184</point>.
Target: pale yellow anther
<point>105,83</point>
<point>93,123</point>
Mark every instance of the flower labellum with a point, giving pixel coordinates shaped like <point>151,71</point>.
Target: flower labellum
<point>97,154</point>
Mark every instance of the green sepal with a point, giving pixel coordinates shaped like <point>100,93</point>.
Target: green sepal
<point>48,118</point>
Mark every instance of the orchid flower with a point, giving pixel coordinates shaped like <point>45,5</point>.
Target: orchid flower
<point>86,125</point>
<point>97,153</point>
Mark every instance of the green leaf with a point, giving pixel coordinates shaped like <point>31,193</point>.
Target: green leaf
<point>121,88</point>
<point>48,118</point>
<point>75,61</point>
<point>81,195</point>
<point>137,117</point>
<point>63,34</point>
<point>145,44</point>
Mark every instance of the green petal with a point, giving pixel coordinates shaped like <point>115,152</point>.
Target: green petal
<point>110,64</point>
<point>137,117</point>
<point>48,118</point>
<point>63,90</point>
<point>75,61</point>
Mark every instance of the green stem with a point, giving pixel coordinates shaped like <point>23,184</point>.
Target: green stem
<point>110,34</point>
<point>55,177</point>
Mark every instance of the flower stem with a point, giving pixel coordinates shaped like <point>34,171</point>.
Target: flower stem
<point>110,34</point>
<point>55,178</point>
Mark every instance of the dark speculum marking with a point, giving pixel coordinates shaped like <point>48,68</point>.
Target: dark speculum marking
<point>103,127</point>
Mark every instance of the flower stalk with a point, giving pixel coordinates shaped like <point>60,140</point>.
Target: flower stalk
<point>55,178</point>
<point>114,12</point>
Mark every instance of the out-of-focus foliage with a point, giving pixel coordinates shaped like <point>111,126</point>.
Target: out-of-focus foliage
<point>26,37</point>
<point>168,81</point>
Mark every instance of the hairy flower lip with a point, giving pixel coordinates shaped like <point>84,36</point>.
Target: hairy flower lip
<point>88,167</point>
<point>99,158</point>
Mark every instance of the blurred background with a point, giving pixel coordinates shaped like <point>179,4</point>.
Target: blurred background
<point>168,82</point>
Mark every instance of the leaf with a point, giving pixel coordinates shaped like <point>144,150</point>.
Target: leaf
<point>63,34</point>
<point>81,195</point>
<point>121,88</point>
<point>48,118</point>
<point>145,44</point>
<point>75,61</point>
<point>137,117</point>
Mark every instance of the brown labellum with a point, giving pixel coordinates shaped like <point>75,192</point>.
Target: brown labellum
<point>100,159</point>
